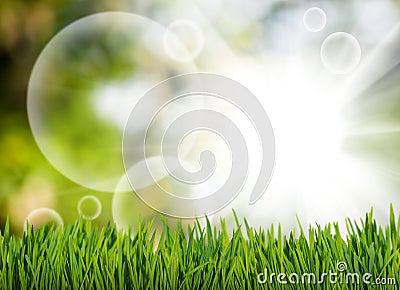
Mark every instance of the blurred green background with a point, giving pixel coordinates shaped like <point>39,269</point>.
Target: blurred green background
<point>27,179</point>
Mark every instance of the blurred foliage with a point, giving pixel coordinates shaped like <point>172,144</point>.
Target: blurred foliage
<point>27,180</point>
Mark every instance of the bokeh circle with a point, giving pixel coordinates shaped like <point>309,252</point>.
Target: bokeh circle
<point>83,87</point>
<point>340,53</point>
<point>183,40</point>
<point>136,151</point>
<point>89,207</point>
<point>43,216</point>
<point>314,19</point>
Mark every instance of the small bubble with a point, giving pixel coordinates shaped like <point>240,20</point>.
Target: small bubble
<point>340,53</point>
<point>41,217</point>
<point>314,19</point>
<point>89,207</point>
<point>183,40</point>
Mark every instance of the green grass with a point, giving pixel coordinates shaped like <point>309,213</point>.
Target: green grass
<point>82,256</point>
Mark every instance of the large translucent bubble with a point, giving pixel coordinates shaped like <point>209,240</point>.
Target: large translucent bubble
<point>340,53</point>
<point>83,87</point>
<point>219,134</point>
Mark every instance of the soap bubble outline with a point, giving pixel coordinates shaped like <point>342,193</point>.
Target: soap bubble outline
<point>321,25</point>
<point>169,36</point>
<point>356,49</point>
<point>43,210</point>
<point>134,147</point>
<point>99,207</point>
